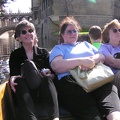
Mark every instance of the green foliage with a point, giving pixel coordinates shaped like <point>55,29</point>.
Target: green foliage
<point>92,1</point>
<point>85,29</point>
<point>83,32</point>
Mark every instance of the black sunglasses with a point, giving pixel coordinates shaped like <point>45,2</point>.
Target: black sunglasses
<point>25,32</point>
<point>71,31</point>
<point>116,30</point>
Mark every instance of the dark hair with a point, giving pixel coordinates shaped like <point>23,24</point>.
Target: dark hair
<point>68,21</point>
<point>22,24</point>
<point>15,36</point>
<point>111,25</point>
<point>84,37</point>
<point>95,32</point>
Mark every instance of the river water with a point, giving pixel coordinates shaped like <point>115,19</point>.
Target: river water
<point>4,68</point>
<point>7,44</point>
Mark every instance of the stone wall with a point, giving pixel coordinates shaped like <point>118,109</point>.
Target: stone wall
<point>87,12</point>
<point>117,9</point>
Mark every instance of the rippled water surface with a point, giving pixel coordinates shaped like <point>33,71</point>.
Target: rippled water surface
<point>4,68</point>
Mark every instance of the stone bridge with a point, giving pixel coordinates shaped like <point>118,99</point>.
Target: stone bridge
<point>8,21</point>
<point>7,28</point>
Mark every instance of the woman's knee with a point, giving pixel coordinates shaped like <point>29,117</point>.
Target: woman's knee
<point>21,84</point>
<point>114,116</point>
<point>19,80</point>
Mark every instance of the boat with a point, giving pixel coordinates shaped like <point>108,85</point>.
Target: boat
<point>10,111</point>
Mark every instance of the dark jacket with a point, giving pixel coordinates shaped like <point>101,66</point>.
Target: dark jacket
<point>18,56</point>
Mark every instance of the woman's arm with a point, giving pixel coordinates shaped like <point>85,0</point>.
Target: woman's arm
<point>12,82</point>
<point>14,64</point>
<point>61,65</point>
<point>98,58</point>
<point>111,61</point>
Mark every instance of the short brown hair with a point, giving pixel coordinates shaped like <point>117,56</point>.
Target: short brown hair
<point>22,24</point>
<point>95,32</point>
<point>68,21</point>
<point>107,27</point>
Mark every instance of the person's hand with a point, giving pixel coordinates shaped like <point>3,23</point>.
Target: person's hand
<point>12,82</point>
<point>98,58</point>
<point>84,68</point>
<point>45,72</point>
<point>87,63</point>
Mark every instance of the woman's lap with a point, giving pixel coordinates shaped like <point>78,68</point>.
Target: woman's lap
<point>79,103</point>
<point>107,98</point>
<point>116,81</point>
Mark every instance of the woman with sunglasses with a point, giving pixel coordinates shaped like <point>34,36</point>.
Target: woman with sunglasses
<point>27,83</point>
<point>111,49</point>
<point>100,104</point>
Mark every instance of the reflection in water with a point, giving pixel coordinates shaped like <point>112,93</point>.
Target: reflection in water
<point>7,44</point>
